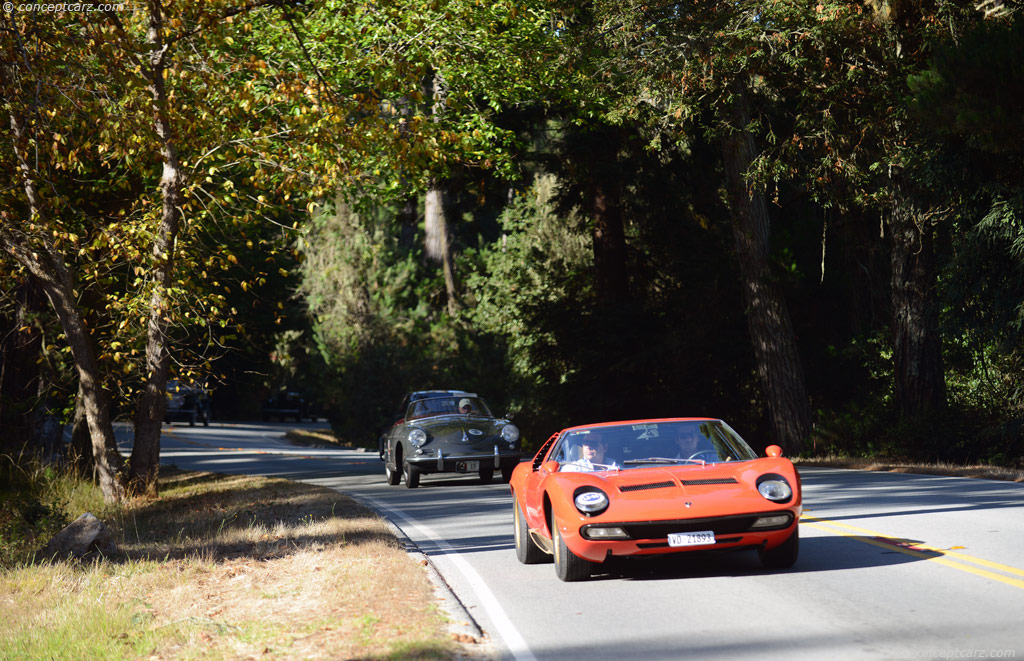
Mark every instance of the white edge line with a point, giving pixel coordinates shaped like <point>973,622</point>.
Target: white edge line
<point>509,634</point>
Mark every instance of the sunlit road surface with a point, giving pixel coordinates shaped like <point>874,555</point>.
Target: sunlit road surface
<point>892,566</point>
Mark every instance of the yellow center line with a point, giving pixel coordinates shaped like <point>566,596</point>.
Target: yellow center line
<point>921,551</point>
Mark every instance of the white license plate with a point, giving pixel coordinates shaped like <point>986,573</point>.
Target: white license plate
<point>467,466</point>
<point>691,538</point>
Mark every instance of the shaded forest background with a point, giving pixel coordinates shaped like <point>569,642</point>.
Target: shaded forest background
<point>803,219</point>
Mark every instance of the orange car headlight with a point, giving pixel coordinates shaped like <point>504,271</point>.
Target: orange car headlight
<point>590,501</point>
<point>774,487</point>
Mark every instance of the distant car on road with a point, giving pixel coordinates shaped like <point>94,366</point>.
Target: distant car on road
<point>448,431</point>
<point>399,413</point>
<point>648,487</point>
<point>187,403</point>
<point>288,404</point>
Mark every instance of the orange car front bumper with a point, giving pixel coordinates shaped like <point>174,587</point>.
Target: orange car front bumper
<point>597,541</point>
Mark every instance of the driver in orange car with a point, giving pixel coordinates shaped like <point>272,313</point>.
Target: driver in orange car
<point>690,442</point>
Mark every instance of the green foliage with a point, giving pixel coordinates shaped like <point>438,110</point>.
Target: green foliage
<point>540,263</point>
<point>984,315</point>
<point>378,318</point>
<point>346,111</point>
<point>574,360</point>
<point>973,89</point>
<point>529,284</point>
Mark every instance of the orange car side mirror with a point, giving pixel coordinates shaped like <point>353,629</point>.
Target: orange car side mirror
<point>549,467</point>
<point>773,451</point>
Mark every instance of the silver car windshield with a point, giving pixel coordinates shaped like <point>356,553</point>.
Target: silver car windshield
<point>639,445</point>
<point>427,408</point>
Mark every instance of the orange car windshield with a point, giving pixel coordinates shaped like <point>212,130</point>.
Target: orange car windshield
<point>639,445</point>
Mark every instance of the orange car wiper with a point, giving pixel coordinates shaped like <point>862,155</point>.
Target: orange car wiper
<point>662,460</point>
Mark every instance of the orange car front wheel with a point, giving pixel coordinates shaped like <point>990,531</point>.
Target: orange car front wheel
<point>568,566</point>
<point>784,555</point>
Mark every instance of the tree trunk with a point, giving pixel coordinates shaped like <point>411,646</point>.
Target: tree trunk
<point>80,455</point>
<point>145,459</point>
<point>437,241</point>
<point>55,282</point>
<point>53,277</point>
<point>920,384</point>
<point>778,362</point>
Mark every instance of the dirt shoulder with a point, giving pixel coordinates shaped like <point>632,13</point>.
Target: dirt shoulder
<point>230,566</point>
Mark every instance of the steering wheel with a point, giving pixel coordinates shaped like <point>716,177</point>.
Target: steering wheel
<point>711,454</point>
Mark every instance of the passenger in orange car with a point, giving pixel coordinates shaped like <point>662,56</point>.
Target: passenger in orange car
<point>591,456</point>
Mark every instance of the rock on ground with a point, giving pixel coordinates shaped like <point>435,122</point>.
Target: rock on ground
<point>83,536</point>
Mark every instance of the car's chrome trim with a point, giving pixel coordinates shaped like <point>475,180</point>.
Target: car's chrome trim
<point>543,542</point>
<point>497,457</point>
<point>440,460</point>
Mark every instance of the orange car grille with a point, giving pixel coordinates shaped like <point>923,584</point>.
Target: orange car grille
<point>643,487</point>
<point>718,480</point>
<point>625,488</point>
<point>720,525</point>
<point>662,529</point>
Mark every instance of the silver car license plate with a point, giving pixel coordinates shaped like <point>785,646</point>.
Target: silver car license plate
<point>467,466</point>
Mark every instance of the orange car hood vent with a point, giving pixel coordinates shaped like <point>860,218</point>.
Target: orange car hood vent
<point>644,487</point>
<point>715,480</point>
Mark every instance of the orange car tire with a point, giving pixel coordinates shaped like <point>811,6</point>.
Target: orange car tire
<point>569,567</point>
<point>784,555</point>
<point>527,551</point>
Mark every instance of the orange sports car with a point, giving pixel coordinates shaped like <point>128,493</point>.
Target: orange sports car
<point>647,487</point>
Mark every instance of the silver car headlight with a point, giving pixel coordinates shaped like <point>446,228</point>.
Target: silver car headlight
<point>774,487</point>
<point>510,433</point>
<point>417,437</point>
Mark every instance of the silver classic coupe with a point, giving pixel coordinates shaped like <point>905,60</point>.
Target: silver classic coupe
<point>448,431</point>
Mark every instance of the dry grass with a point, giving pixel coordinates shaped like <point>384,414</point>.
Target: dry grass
<point>232,567</point>
<point>980,471</point>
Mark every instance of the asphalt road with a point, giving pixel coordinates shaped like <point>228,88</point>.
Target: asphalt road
<point>891,566</point>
